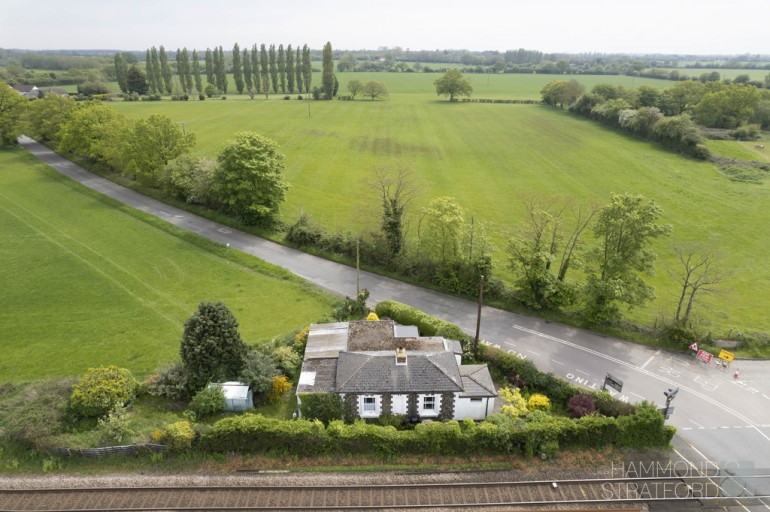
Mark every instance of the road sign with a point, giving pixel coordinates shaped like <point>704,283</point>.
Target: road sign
<point>704,356</point>
<point>694,346</point>
<point>613,382</point>
<point>667,411</point>
<point>727,356</point>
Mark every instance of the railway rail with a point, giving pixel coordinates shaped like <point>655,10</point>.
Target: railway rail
<point>423,496</point>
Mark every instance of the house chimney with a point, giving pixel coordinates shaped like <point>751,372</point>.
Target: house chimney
<point>400,356</point>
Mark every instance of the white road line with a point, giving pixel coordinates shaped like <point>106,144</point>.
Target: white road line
<point>711,464</point>
<point>694,423</point>
<point>557,362</point>
<point>650,359</point>
<point>532,352</point>
<point>648,373</point>
<point>639,396</point>
<point>581,371</point>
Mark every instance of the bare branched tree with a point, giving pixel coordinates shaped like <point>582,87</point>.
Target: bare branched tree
<point>396,188</point>
<point>698,273</point>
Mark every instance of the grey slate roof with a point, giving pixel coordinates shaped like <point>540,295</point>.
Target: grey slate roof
<point>476,381</point>
<point>377,372</point>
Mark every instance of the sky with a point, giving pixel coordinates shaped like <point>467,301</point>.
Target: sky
<point>695,27</point>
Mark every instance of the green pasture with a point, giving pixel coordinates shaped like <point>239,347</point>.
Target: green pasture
<point>740,150</point>
<point>490,157</point>
<point>87,282</point>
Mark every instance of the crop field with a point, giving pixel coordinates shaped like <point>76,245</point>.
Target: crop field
<point>86,282</point>
<point>490,157</point>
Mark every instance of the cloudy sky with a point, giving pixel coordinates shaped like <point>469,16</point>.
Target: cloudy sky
<point>573,26</point>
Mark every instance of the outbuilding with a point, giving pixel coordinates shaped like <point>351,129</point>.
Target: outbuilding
<point>238,396</point>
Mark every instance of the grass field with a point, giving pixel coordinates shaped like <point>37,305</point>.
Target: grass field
<point>489,157</point>
<point>86,282</point>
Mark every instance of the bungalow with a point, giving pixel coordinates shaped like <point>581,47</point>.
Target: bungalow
<point>383,368</point>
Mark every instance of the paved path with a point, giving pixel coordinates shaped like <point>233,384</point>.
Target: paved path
<point>724,418</point>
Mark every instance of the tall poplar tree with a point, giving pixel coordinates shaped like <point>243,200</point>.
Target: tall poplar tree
<point>307,69</point>
<point>264,70</point>
<point>247,76</point>
<point>215,67</point>
<point>237,69</point>
<point>298,71</point>
<point>148,72</point>
<point>282,68</point>
<point>186,71</point>
<point>327,78</point>
<point>157,78</point>
<point>255,68</point>
<point>210,67</point>
<point>165,70</point>
<point>273,69</point>
<point>222,71</point>
<point>121,69</point>
<point>290,69</point>
<point>196,71</point>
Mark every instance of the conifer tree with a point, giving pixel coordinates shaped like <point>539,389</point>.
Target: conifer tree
<point>237,69</point>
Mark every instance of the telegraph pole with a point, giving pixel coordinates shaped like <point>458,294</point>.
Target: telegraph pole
<point>478,319</point>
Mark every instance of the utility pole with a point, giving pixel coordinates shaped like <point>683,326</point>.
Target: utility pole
<point>358,266</point>
<point>478,319</point>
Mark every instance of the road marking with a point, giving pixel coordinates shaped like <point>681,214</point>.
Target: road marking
<point>225,231</point>
<point>557,362</point>
<point>639,396</point>
<point>650,359</point>
<point>584,373</point>
<point>532,352</point>
<point>645,372</point>
<point>695,423</point>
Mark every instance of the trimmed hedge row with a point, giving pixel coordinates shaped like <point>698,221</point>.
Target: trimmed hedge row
<point>538,433</point>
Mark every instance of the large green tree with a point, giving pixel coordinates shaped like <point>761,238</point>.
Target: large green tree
<point>136,81</point>
<point>327,74</point>
<point>209,62</point>
<point>290,69</point>
<point>625,229</point>
<point>121,68</point>
<point>453,84</point>
<point>156,86</point>
<point>282,68</point>
<point>248,77</point>
<point>249,180</point>
<point>264,70</point>
<point>307,68</point>
<point>196,72</point>
<point>728,107</point>
<point>441,230</point>
<point>12,108</point>
<point>298,70</point>
<point>94,131</point>
<point>237,68</point>
<point>374,90</point>
<point>211,348</point>
<point>255,68</point>
<point>151,144</point>
<point>221,71</point>
<point>273,69</point>
<point>46,116</point>
<point>561,92</point>
<point>165,70</point>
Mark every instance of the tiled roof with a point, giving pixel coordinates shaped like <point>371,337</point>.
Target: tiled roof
<point>476,381</point>
<point>377,372</point>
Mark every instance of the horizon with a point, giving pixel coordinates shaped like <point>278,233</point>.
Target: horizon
<point>661,27</point>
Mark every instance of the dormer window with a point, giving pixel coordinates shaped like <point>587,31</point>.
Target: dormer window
<point>401,356</point>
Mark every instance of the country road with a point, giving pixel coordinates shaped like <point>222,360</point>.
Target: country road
<point>718,417</point>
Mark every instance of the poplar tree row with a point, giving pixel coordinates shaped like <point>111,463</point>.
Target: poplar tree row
<point>259,71</point>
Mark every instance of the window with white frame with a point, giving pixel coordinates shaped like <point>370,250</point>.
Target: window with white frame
<point>370,404</point>
<point>429,403</point>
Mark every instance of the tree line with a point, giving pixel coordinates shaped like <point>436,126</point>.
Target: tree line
<point>259,70</point>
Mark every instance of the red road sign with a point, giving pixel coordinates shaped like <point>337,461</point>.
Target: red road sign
<point>694,346</point>
<point>704,356</point>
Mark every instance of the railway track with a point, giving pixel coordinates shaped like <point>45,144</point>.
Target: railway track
<point>425,496</point>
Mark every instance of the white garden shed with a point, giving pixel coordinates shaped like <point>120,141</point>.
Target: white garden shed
<point>238,396</point>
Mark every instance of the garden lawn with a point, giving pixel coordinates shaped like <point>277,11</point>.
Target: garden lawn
<point>87,282</point>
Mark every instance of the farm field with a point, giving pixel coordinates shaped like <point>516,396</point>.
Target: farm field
<point>489,157</point>
<point>88,283</point>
